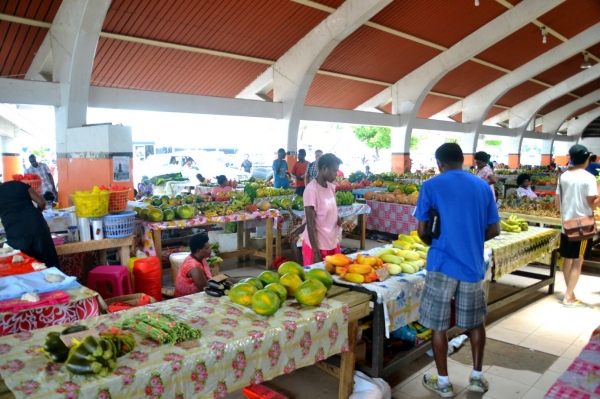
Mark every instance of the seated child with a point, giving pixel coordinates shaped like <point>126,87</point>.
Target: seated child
<point>194,272</point>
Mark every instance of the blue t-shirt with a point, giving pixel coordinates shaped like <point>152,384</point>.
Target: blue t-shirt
<point>593,168</point>
<point>466,206</point>
<point>280,180</point>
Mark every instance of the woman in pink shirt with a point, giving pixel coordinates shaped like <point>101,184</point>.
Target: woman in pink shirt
<point>222,186</point>
<point>194,273</point>
<point>319,239</point>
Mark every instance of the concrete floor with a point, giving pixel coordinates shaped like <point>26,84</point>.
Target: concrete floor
<point>529,345</point>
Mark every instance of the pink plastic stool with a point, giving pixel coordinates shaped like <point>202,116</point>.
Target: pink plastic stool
<point>118,276</point>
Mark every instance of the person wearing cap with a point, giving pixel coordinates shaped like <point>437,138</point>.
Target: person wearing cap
<point>576,196</point>
<point>593,166</point>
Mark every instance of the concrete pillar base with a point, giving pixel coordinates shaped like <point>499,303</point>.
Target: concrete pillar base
<point>401,163</point>
<point>514,160</point>
<point>469,160</point>
<point>291,160</point>
<point>11,165</point>
<point>546,159</point>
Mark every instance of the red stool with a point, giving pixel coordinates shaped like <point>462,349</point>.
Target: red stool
<point>118,276</point>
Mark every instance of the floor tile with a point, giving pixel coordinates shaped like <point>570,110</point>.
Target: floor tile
<point>547,380</point>
<point>416,389</point>
<point>567,336</point>
<point>421,364</point>
<point>523,376</point>
<point>401,395</point>
<point>584,338</point>
<point>505,335</point>
<point>572,352</point>
<point>520,325</point>
<point>561,365</point>
<point>534,393</point>
<point>504,388</point>
<point>401,378</point>
<point>459,373</point>
<point>545,345</point>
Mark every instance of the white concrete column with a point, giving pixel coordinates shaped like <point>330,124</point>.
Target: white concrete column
<point>577,126</point>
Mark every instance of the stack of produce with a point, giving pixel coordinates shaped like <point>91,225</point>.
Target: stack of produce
<point>344,198</point>
<point>514,225</point>
<point>396,193</point>
<point>162,328</point>
<point>347,185</point>
<point>359,270</point>
<point>26,177</point>
<point>540,206</point>
<point>267,293</point>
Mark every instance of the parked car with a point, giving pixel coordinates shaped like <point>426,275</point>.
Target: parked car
<point>262,172</point>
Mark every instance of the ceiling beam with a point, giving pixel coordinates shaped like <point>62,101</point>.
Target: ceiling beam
<point>19,91</point>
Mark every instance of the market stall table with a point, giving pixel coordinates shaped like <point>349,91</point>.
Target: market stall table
<point>360,210</point>
<point>151,233</point>
<point>391,218</point>
<point>82,304</point>
<point>237,348</point>
<point>124,245</point>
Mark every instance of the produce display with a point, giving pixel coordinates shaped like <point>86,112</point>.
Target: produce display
<point>162,328</point>
<point>267,293</point>
<point>408,255</point>
<point>344,198</point>
<point>26,176</point>
<point>540,206</point>
<point>514,225</point>
<point>260,189</point>
<point>162,179</point>
<point>397,193</point>
<point>92,203</point>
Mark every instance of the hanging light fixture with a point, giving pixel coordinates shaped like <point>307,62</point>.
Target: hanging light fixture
<point>544,33</point>
<point>586,61</point>
<point>476,3</point>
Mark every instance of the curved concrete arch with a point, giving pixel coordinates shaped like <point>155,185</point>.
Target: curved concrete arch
<point>552,121</point>
<point>577,126</point>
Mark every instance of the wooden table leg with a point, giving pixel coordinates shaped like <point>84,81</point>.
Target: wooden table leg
<point>362,225</point>
<point>157,237</point>
<point>269,246</point>
<point>278,242</point>
<point>102,255</point>
<point>347,363</point>
<point>240,240</point>
<point>247,238</point>
<point>124,255</point>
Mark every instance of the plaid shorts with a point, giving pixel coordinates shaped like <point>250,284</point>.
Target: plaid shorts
<point>436,301</point>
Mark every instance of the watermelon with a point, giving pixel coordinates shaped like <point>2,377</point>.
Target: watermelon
<point>265,303</point>
<point>242,293</point>
<point>311,292</point>
<point>322,275</point>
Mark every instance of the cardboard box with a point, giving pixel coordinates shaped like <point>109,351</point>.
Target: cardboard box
<point>132,300</point>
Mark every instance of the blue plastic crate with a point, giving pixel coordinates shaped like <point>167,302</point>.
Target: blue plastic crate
<point>120,225</point>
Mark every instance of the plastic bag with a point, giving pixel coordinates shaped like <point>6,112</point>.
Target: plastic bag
<point>366,387</point>
<point>454,343</point>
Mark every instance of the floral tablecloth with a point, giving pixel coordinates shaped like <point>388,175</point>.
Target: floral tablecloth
<point>581,380</point>
<point>391,218</point>
<point>144,228</point>
<point>511,251</point>
<point>400,294</point>
<point>237,348</point>
<point>82,305</point>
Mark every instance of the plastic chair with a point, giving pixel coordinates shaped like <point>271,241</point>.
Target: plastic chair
<point>118,276</point>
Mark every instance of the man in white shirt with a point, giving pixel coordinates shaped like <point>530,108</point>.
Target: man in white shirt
<point>43,171</point>
<point>576,196</point>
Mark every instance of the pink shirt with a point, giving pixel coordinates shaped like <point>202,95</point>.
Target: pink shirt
<point>218,189</point>
<point>184,285</point>
<point>326,219</point>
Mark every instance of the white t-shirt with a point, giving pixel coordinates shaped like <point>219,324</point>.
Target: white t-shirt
<point>577,185</point>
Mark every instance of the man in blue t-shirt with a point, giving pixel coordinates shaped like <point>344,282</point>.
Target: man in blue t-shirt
<point>455,265</point>
<point>281,176</point>
<point>593,166</point>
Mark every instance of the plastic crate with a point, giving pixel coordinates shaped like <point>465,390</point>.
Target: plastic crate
<point>35,184</point>
<point>117,201</point>
<point>120,225</point>
<point>90,205</point>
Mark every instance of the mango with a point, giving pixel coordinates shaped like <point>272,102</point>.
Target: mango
<point>360,269</point>
<point>355,278</point>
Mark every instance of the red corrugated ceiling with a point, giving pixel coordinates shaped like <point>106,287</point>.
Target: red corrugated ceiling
<point>142,67</point>
<point>572,16</point>
<point>520,93</point>
<point>373,54</point>
<point>258,28</point>
<point>330,3</point>
<point>562,71</point>
<point>434,104</point>
<point>587,88</point>
<point>557,103</point>
<point>387,108</point>
<point>493,112</point>
<point>457,117</point>
<point>466,79</point>
<point>584,110</point>
<point>331,92</point>
<point>439,21</point>
<point>19,43</point>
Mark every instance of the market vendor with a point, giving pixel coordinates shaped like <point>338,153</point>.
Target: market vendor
<point>222,186</point>
<point>299,172</point>
<point>26,229</point>
<point>484,171</point>
<point>320,239</point>
<point>145,187</point>
<point>194,273</point>
<point>201,179</point>
<point>524,183</point>
<point>281,176</point>
<point>43,171</point>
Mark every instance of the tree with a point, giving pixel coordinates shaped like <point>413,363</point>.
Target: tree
<point>39,152</point>
<point>493,143</point>
<point>451,140</point>
<point>414,142</point>
<point>374,137</point>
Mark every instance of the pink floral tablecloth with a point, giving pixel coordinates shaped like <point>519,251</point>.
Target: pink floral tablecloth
<point>391,218</point>
<point>581,380</point>
<point>346,210</point>
<point>237,348</point>
<point>144,229</point>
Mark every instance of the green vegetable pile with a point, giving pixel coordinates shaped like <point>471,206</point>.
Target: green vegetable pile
<point>356,177</point>
<point>161,179</point>
<point>162,328</point>
<point>344,198</point>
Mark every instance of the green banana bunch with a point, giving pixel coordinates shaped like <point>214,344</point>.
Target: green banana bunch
<point>513,220</point>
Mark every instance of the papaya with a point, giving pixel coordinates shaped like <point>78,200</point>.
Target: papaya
<point>254,281</point>
<point>359,269</point>
<point>185,211</point>
<point>279,290</point>
<point>291,282</point>
<point>155,215</point>
<point>268,277</point>
<point>355,278</point>
<point>311,292</point>
<point>291,267</point>
<point>265,302</point>
<point>321,275</point>
<point>338,260</point>
<point>242,293</point>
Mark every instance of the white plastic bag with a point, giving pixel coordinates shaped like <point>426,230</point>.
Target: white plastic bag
<point>454,343</point>
<point>366,387</point>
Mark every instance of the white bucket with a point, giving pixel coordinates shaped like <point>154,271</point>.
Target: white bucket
<point>176,261</point>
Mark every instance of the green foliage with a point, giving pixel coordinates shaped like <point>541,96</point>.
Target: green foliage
<point>493,143</point>
<point>374,136</point>
<point>449,140</point>
<point>414,142</point>
<point>40,153</point>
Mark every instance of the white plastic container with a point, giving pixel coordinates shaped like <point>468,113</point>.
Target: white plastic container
<point>176,261</point>
<point>73,234</point>
<point>85,231</point>
<point>97,231</point>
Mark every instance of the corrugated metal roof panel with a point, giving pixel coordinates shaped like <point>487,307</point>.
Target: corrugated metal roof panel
<point>233,26</point>
<point>584,110</point>
<point>466,79</point>
<point>562,71</point>
<point>373,54</point>
<point>457,117</point>
<point>520,93</point>
<point>572,16</point>
<point>142,67</point>
<point>553,105</point>
<point>433,104</point>
<point>331,92</point>
<point>439,21</point>
<point>387,108</point>
<point>588,88</point>
<point>330,3</point>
